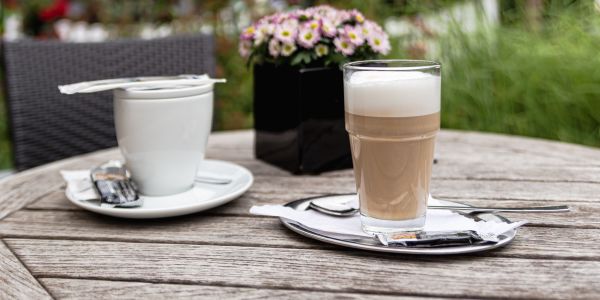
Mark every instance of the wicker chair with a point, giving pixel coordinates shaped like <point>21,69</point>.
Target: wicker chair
<point>46,125</point>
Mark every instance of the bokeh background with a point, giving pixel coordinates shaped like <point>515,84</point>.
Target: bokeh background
<point>526,67</point>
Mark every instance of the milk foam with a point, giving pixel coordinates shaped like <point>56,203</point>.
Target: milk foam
<point>392,93</point>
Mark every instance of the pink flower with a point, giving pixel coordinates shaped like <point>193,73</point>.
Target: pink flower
<point>314,25</point>
<point>277,18</point>
<point>328,28</point>
<point>274,47</point>
<point>371,27</point>
<point>303,15</point>
<point>342,16</point>
<point>285,34</point>
<point>291,22</point>
<point>262,33</point>
<point>248,33</point>
<point>354,35</point>
<point>343,46</point>
<point>308,37</point>
<point>265,28</point>
<point>365,30</point>
<point>244,48</point>
<point>322,28</point>
<point>357,16</point>
<point>379,43</point>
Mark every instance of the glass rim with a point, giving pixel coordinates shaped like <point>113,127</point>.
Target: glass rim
<point>417,64</point>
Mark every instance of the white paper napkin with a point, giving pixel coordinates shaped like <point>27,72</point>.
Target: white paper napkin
<point>437,220</point>
<point>79,184</point>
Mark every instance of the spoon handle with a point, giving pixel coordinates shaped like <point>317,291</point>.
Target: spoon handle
<point>557,208</point>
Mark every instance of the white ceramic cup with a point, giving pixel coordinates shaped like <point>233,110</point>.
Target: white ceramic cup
<point>162,133</point>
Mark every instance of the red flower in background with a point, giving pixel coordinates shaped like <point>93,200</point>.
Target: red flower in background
<point>56,10</point>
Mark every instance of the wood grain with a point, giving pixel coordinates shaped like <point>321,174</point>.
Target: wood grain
<point>227,253</point>
<point>463,157</point>
<point>518,145</point>
<point>583,214</point>
<point>550,192</point>
<point>463,144</point>
<point>510,172</point>
<point>18,190</point>
<point>196,228</point>
<point>534,242</point>
<point>99,289</point>
<point>15,281</point>
<point>322,270</point>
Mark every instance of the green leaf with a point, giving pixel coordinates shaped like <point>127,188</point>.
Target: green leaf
<point>296,60</point>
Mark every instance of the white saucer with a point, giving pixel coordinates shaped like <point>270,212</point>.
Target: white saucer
<point>202,197</point>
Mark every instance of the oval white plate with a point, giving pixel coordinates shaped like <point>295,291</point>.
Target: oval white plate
<point>374,245</point>
<point>202,197</point>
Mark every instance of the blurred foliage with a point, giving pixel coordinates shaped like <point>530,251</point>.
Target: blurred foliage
<point>536,74</point>
<point>541,83</point>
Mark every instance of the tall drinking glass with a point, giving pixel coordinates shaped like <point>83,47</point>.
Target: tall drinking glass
<point>392,117</point>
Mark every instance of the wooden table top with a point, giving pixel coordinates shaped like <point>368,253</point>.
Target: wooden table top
<point>51,249</point>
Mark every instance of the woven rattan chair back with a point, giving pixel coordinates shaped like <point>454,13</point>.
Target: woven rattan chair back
<point>46,125</point>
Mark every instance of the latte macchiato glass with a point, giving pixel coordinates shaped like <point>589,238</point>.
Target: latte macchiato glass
<point>392,117</point>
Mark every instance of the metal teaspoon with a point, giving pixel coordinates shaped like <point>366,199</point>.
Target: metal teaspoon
<point>344,210</point>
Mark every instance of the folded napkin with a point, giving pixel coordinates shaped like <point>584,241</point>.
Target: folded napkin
<point>436,221</point>
<point>79,185</point>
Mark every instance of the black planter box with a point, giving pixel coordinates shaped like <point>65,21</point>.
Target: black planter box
<point>299,118</point>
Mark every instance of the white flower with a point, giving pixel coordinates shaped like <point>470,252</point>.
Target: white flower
<point>259,38</point>
<point>343,46</point>
<point>321,50</point>
<point>314,25</point>
<point>265,28</point>
<point>285,34</point>
<point>328,28</point>
<point>354,35</point>
<point>288,49</point>
<point>308,37</point>
<point>379,43</point>
<point>274,47</point>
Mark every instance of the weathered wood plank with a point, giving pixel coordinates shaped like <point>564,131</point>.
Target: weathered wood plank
<point>583,214</point>
<point>303,186</point>
<point>323,270</point>
<point>487,171</point>
<point>198,228</point>
<point>484,189</point>
<point>64,288</point>
<point>470,165</point>
<point>15,281</point>
<point>564,243</point>
<point>515,190</point>
<point>449,188</point>
<point>18,190</point>
<point>519,145</point>
<point>457,147</point>
<point>483,171</point>
<point>464,143</point>
<point>479,169</point>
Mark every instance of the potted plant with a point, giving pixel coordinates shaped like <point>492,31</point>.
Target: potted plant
<point>298,87</point>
